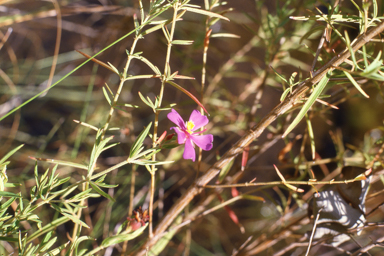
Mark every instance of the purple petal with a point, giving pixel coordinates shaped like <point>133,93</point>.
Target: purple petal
<point>180,135</point>
<point>189,151</point>
<point>203,141</point>
<point>198,119</point>
<point>176,119</point>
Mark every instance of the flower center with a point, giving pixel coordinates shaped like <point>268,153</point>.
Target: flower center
<point>190,125</point>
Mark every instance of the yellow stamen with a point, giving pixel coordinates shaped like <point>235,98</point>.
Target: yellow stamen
<point>190,126</point>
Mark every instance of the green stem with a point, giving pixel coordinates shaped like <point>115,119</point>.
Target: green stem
<point>120,88</point>
<point>156,123</point>
<point>51,226</point>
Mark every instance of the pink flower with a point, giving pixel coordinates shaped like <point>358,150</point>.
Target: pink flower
<point>186,133</point>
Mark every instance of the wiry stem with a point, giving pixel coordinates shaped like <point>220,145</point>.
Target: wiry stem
<point>120,88</point>
<point>254,133</point>
<point>157,112</point>
<point>275,183</point>
<point>203,74</point>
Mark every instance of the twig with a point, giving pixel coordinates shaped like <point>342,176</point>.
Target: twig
<point>378,243</point>
<point>313,232</point>
<point>283,182</point>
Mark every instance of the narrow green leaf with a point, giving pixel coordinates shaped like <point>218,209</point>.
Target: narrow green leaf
<point>75,220</point>
<point>224,171</point>
<point>57,250</point>
<point>311,136</point>
<point>142,14</point>
<point>128,105</point>
<point>167,70</point>
<point>107,96</point>
<point>149,162</point>
<point>86,125</point>
<point>136,22</point>
<point>52,176</point>
<point>154,104</point>
<point>103,185</point>
<point>146,102</point>
<point>285,93</point>
<point>48,245</point>
<point>123,237</point>
<point>47,237</point>
<point>253,198</point>
<point>375,9</point>
<point>357,6</point>
<point>97,150</point>
<point>182,77</point>
<point>66,191</point>
<point>8,239</point>
<point>56,207</point>
<point>101,192</point>
<point>166,108</point>
<point>10,153</point>
<point>312,98</point>
<point>148,153</point>
<point>109,89</point>
<point>224,35</point>
<point>101,179</point>
<point>192,5</point>
<point>154,28</point>
<point>109,146</point>
<point>182,42</point>
<point>157,22</point>
<point>8,203</point>
<point>4,164</point>
<point>145,153</point>
<point>12,185</point>
<point>114,69</point>
<point>292,79</point>
<point>62,181</point>
<point>141,77</point>
<point>9,194</point>
<point>333,18</point>
<point>82,194</point>
<point>166,33</point>
<point>205,12</point>
<point>375,77</point>
<point>374,66</point>
<point>60,162</point>
<point>348,42</point>
<point>280,76</point>
<point>353,81</point>
<point>50,226</point>
<point>139,141</point>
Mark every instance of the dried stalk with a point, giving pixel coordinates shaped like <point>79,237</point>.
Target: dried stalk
<point>252,134</point>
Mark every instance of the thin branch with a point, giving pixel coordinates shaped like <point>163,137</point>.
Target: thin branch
<point>313,232</point>
<point>283,182</point>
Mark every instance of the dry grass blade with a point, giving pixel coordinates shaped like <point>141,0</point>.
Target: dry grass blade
<point>97,61</point>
